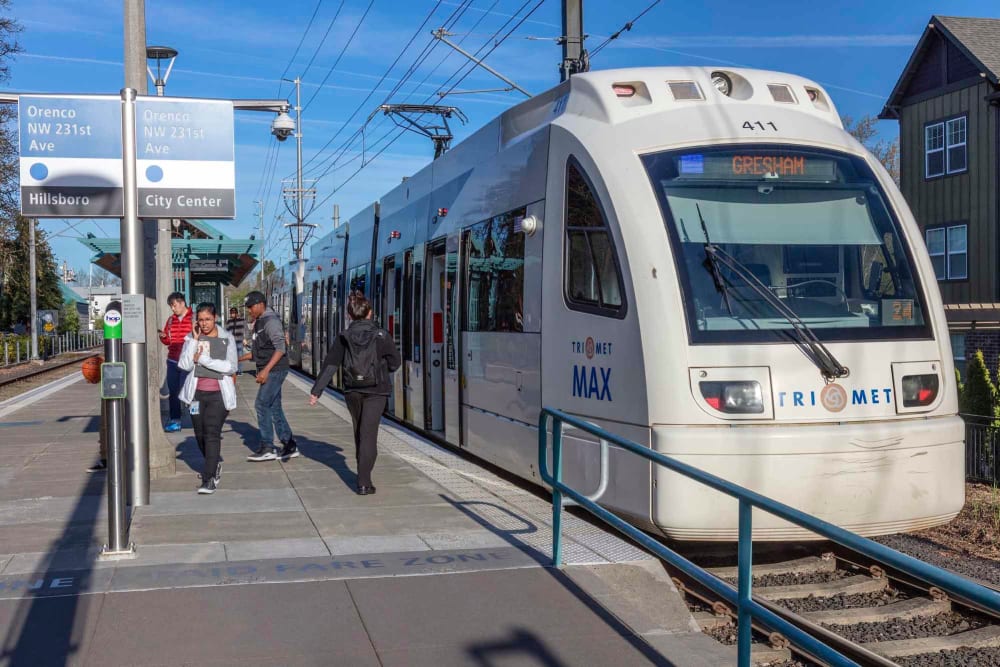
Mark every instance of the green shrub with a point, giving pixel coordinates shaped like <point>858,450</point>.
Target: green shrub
<point>980,394</point>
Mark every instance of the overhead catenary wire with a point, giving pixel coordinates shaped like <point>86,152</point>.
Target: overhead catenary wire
<point>322,42</point>
<point>626,28</point>
<point>301,41</point>
<point>400,133</point>
<point>347,45</point>
<point>450,22</point>
<point>354,114</point>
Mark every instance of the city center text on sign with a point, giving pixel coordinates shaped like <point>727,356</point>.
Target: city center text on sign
<point>70,156</point>
<point>184,158</point>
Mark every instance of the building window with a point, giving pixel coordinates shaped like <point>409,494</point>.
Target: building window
<point>946,147</point>
<point>593,281</point>
<point>958,352</point>
<point>949,251</point>
<point>934,150</point>
<point>957,152</point>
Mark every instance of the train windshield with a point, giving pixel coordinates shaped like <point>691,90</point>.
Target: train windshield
<point>810,226</point>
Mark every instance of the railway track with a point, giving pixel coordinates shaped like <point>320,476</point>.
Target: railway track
<point>870,613</point>
<point>33,372</point>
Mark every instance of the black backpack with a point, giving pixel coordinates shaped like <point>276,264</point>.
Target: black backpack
<point>362,363</point>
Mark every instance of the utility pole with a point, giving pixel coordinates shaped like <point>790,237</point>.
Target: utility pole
<point>260,222</point>
<point>575,58</point>
<point>33,288</point>
<point>336,216</point>
<point>302,230</point>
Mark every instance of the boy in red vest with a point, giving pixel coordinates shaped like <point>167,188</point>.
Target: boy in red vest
<point>178,326</point>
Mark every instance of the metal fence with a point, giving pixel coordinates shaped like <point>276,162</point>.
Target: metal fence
<point>747,608</point>
<point>982,447</point>
<point>17,349</point>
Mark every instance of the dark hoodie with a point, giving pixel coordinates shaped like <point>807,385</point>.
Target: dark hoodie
<point>361,332</point>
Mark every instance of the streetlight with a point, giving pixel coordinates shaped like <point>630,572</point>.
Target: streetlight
<point>159,54</point>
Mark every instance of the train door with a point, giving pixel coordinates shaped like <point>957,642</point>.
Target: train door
<point>319,341</point>
<point>452,373</point>
<point>391,297</point>
<point>413,338</point>
<point>336,318</point>
<point>436,299</point>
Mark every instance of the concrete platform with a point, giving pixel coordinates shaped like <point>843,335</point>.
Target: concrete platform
<point>446,564</point>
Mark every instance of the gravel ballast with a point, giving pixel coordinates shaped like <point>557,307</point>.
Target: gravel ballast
<point>942,625</point>
<point>981,569</point>
<point>963,657</point>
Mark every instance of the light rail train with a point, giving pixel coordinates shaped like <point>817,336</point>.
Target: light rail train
<point>703,261</point>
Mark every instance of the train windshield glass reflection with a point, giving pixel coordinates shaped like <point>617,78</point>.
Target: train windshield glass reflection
<point>812,226</point>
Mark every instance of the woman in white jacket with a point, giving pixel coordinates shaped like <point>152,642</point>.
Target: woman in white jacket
<point>209,391</point>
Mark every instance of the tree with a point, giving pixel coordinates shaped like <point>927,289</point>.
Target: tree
<point>980,394</point>
<point>9,171</point>
<point>886,152</point>
<point>69,318</point>
<point>15,304</point>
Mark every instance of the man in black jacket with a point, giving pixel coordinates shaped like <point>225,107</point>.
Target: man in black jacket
<point>368,355</point>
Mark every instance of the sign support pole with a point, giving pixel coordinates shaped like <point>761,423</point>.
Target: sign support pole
<point>133,261</point>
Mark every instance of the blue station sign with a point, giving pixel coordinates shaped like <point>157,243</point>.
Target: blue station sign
<point>70,156</point>
<point>185,158</point>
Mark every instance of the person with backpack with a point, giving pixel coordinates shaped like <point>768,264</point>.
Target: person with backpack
<point>368,356</point>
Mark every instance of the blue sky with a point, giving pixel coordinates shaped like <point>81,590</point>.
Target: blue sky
<point>241,50</point>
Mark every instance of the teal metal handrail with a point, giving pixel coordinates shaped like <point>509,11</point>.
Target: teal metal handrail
<point>747,609</point>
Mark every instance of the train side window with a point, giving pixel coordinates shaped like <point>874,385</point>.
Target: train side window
<point>593,279</point>
<point>494,274</point>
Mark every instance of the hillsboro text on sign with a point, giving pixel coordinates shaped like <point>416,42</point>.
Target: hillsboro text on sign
<point>184,158</point>
<point>71,156</point>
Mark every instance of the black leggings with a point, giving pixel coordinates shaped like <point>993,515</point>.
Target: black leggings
<point>366,413</point>
<point>208,423</point>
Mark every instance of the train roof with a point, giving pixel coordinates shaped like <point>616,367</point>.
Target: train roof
<point>612,97</point>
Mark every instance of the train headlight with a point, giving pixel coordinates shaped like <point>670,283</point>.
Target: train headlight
<point>722,83</point>
<point>919,390</point>
<point>733,397</point>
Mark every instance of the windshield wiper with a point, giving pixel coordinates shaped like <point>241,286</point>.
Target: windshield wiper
<point>828,364</point>
<point>712,265</point>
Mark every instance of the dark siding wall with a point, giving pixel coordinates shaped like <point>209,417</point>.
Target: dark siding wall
<point>928,75</point>
<point>970,196</point>
<point>959,67</point>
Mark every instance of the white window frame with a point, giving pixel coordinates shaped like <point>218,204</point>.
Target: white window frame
<point>948,145</point>
<point>951,275</point>
<point>947,252</point>
<point>944,249</point>
<point>928,151</point>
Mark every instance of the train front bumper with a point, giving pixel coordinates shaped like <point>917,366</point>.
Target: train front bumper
<point>872,479</point>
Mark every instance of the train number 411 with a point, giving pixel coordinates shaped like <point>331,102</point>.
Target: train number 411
<point>757,125</point>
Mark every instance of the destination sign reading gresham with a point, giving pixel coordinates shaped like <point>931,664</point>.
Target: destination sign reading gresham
<point>70,156</point>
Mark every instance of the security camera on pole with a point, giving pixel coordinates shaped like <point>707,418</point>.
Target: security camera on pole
<point>282,127</point>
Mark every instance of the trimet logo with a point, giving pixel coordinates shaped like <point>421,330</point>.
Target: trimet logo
<point>112,318</point>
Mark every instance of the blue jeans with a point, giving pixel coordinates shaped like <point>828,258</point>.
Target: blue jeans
<point>270,415</point>
<point>175,381</point>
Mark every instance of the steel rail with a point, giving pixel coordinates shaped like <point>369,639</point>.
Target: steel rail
<point>45,369</point>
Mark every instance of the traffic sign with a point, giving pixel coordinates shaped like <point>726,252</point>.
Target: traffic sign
<point>71,156</point>
<point>184,158</point>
